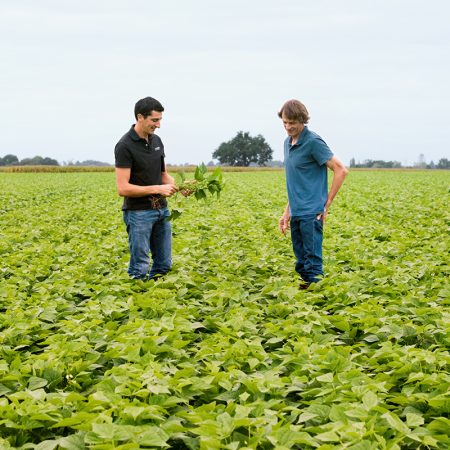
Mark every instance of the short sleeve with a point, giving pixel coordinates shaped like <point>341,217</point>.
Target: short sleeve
<point>321,152</point>
<point>122,156</point>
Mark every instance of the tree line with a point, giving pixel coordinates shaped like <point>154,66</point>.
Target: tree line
<point>443,163</point>
<point>12,160</point>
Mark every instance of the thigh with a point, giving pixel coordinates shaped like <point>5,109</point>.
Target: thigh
<point>140,224</point>
<point>311,231</point>
<point>161,237</point>
<point>296,236</point>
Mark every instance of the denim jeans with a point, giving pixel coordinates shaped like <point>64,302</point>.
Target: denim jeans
<point>149,231</point>
<point>307,233</point>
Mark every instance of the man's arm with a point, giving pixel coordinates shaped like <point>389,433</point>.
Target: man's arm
<point>339,174</point>
<point>283,223</point>
<point>167,179</point>
<point>126,189</point>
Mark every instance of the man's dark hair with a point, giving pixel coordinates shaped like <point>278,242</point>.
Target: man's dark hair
<point>146,105</point>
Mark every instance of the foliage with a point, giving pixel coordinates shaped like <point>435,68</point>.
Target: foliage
<point>200,187</point>
<point>8,160</point>
<point>39,161</point>
<point>443,163</point>
<point>244,149</point>
<point>88,162</point>
<point>55,169</point>
<point>375,164</point>
<point>171,169</point>
<point>225,352</point>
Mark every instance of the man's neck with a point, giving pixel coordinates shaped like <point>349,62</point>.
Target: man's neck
<point>294,139</point>
<point>140,132</point>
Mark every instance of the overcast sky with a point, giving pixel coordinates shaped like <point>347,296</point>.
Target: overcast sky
<point>374,74</point>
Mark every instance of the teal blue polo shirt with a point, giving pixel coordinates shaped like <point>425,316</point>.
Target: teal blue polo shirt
<point>306,173</point>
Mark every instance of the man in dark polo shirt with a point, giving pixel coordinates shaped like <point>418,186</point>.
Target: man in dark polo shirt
<point>142,180</point>
<point>307,159</point>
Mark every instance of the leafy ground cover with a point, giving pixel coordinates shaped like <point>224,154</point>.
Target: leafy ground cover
<point>225,352</point>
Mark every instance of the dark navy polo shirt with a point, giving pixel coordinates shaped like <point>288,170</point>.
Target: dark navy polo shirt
<point>146,161</point>
<point>306,173</point>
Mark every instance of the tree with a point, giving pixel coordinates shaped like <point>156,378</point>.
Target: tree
<point>244,149</point>
<point>9,160</point>
<point>443,163</point>
<point>39,161</point>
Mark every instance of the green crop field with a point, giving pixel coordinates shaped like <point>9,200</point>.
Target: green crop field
<point>225,352</point>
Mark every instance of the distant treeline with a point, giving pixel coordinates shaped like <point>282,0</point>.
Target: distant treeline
<point>12,160</point>
<point>443,163</point>
<point>39,161</point>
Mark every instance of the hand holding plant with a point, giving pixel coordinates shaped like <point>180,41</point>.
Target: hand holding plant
<point>202,185</point>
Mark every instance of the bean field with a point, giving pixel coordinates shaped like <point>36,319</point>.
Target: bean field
<point>225,352</point>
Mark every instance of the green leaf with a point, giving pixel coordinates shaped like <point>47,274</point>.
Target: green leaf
<point>36,383</point>
<point>47,445</point>
<point>370,400</point>
<point>326,378</point>
<point>175,213</point>
<point>154,437</point>
<point>414,420</point>
<point>200,172</point>
<point>396,423</point>
<point>73,442</point>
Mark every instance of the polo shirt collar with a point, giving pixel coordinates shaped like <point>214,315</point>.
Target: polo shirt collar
<point>136,137</point>
<point>133,134</point>
<point>302,136</point>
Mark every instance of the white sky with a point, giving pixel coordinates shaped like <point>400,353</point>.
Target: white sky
<point>374,74</point>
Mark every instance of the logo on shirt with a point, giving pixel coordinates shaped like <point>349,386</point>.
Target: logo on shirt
<point>157,148</point>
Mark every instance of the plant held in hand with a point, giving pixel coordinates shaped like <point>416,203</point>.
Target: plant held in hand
<point>202,185</point>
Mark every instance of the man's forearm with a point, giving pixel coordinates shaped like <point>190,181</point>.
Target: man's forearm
<point>134,190</point>
<point>338,180</point>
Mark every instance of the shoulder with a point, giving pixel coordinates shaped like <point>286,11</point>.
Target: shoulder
<point>124,141</point>
<point>314,138</point>
<point>122,151</point>
<point>319,148</point>
<point>317,142</point>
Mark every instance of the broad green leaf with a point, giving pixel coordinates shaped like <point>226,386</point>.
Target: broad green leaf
<point>153,437</point>
<point>36,383</point>
<point>326,378</point>
<point>396,423</point>
<point>370,400</point>
<point>414,420</point>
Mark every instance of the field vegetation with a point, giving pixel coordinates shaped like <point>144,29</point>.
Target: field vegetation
<point>225,352</point>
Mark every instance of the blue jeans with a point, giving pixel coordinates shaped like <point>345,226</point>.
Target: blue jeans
<point>307,234</point>
<point>149,231</point>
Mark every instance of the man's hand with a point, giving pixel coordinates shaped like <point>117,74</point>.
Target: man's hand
<point>322,217</point>
<point>166,190</point>
<point>283,223</point>
<point>186,192</point>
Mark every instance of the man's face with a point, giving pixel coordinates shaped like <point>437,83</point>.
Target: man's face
<point>151,122</point>
<point>292,127</point>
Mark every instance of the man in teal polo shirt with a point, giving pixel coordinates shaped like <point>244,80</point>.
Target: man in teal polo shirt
<point>307,158</point>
